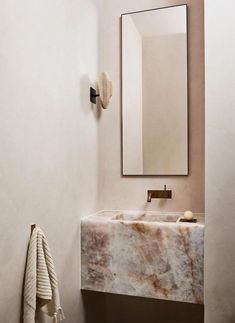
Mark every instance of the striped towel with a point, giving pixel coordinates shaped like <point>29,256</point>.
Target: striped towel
<point>41,285</point>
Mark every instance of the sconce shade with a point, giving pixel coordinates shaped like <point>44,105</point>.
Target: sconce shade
<point>105,89</point>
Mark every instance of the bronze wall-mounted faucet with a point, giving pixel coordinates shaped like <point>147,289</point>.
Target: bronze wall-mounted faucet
<point>159,194</point>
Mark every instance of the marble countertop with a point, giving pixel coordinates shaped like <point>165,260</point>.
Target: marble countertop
<point>143,216</point>
<point>149,254</point>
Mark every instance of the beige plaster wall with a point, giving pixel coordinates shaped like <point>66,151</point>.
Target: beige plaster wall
<point>220,161</point>
<point>130,192</point>
<point>48,139</point>
<point>51,151</point>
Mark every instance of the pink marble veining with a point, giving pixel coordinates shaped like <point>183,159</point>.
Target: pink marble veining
<point>143,254</point>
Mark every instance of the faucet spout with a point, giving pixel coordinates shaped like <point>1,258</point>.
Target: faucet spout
<point>159,194</point>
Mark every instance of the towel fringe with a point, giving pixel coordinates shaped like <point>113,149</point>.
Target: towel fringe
<point>58,316</point>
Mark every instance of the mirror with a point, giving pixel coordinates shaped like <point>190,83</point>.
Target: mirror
<point>154,92</point>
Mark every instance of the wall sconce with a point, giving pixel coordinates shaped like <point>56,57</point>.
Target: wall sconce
<point>105,89</point>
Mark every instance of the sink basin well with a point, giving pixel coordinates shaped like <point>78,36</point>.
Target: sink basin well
<point>147,217</point>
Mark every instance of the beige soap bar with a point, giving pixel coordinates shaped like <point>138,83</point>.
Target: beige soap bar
<point>188,215</point>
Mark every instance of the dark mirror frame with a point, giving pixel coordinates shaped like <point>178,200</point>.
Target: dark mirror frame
<point>121,55</point>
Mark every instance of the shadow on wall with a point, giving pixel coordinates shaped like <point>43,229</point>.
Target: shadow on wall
<point>110,308</point>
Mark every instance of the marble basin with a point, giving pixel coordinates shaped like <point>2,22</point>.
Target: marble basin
<point>148,254</point>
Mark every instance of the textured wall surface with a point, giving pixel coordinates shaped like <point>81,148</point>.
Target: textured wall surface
<point>51,149</point>
<point>124,192</point>
<point>220,161</point>
<point>48,57</point>
<point>118,192</point>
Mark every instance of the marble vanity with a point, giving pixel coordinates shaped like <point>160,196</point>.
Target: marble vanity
<point>148,254</point>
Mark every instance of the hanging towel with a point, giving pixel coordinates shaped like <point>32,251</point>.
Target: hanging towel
<point>41,285</point>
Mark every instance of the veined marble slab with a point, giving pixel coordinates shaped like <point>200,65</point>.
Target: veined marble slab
<point>147,254</point>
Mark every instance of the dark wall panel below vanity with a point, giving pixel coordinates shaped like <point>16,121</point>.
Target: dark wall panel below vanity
<point>110,308</point>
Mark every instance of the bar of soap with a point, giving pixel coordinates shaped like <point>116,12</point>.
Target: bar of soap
<point>188,215</point>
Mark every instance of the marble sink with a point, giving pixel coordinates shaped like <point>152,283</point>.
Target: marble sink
<point>148,254</point>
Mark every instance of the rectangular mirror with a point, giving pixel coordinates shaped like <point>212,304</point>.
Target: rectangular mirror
<point>155,92</point>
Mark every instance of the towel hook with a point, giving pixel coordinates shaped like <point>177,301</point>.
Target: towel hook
<point>33,226</point>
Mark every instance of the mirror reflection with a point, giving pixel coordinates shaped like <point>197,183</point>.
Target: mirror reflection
<point>154,92</point>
